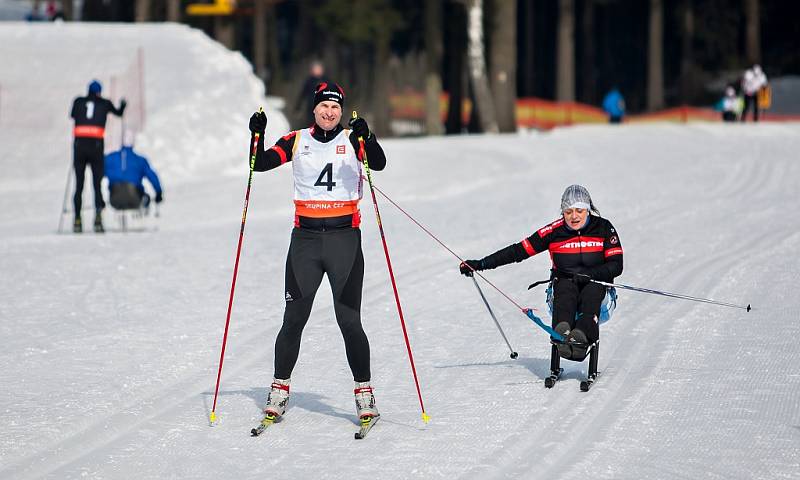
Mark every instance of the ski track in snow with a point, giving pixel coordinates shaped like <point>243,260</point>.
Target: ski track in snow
<point>112,342</point>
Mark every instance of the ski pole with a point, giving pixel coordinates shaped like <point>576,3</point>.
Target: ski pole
<point>64,203</point>
<point>527,311</point>
<point>363,154</point>
<point>672,295</point>
<point>485,302</point>
<point>254,149</point>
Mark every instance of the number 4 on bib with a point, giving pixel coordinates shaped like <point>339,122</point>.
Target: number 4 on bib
<point>327,173</point>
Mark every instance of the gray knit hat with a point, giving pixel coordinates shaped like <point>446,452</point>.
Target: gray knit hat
<point>576,196</point>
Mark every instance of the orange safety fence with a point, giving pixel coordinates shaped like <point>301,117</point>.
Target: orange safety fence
<point>546,114</point>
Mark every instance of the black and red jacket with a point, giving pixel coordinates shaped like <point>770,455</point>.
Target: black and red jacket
<point>594,250</point>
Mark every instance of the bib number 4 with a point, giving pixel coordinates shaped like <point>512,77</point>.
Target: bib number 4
<point>326,178</point>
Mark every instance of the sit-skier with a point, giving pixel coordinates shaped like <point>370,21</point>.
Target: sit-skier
<point>583,246</point>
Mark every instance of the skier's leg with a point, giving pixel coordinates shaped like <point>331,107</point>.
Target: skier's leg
<point>303,276</point>
<point>97,176</point>
<point>565,303</point>
<point>79,162</point>
<point>344,263</point>
<point>589,301</point>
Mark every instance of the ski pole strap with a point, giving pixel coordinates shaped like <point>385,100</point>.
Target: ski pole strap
<point>536,284</point>
<point>546,328</point>
<point>672,295</point>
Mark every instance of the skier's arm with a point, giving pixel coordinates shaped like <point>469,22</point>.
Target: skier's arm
<point>277,154</point>
<point>117,111</point>
<point>74,108</point>
<point>612,250</point>
<point>373,150</point>
<point>151,176</point>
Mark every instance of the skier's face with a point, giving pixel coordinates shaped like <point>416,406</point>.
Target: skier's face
<point>576,217</point>
<point>328,114</point>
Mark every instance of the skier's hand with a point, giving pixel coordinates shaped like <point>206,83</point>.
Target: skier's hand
<point>258,123</point>
<point>122,104</point>
<point>467,267</point>
<point>159,197</point>
<point>360,127</point>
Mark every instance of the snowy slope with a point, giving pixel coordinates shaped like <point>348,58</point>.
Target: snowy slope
<point>111,342</point>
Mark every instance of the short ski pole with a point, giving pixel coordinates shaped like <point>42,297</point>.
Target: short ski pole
<point>485,302</point>
<point>254,149</point>
<point>363,155</point>
<point>672,295</point>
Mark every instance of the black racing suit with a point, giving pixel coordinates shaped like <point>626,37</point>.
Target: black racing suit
<point>90,113</point>
<point>594,250</point>
<point>322,245</point>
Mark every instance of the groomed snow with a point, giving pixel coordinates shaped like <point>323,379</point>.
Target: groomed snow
<point>111,342</point>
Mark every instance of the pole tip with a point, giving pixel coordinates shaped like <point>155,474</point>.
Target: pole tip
<point>748,307</point>
<point>425,417</point>
<point>514,355</point>
<point>212,418</point>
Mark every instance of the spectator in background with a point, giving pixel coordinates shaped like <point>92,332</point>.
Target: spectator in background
<point>730,105</point>
<point>125,170</point>
<point>90,113</point>
<point>614,106</point>
<point>305,98</point>
<point>754,80</point>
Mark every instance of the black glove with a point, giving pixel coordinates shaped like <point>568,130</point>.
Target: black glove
<point>159,197</point>
<point>360,128</point>
<point>122,104</point>
<point>581,279</point>
<point>466,264</point>
<point>258,123</point>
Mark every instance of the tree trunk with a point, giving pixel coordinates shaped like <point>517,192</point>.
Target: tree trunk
<point>687,54</point>
<point>224,31</point>
<point>380,98</point>
<point>456,39</point>
<point>260,39</point>
<point>143,11</point>
<point>753,32</point>
<point>174,11</point>
<point>433,61</point>
<point>504,63</point>
<point>68,9</point>
<point>565,76</point>
<point>655,62</point>
<point>588,77</point>
<point>528,66</point>
<point>273,52</point>
<point>484,105</point>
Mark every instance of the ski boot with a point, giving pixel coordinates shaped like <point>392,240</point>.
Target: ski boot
<point>77,226</point>
<point>564,350</point>
<point>365,407</point>
<point>278,398</point>
<point>365,401</point>
<point>578,344</point>
<point>98,222</point>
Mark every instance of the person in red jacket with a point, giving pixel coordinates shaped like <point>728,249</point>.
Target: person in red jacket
<point>583,246</point>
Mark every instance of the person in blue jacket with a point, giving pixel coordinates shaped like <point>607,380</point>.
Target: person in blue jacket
<point>125,170</point>
<point>614,106</point>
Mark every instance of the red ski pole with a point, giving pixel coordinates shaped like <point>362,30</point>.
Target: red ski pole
<point>256,136</point>
<point>363,154</point>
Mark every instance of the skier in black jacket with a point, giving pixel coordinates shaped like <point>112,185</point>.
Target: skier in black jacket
<point>90,113</point>
<point>583,246</point>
